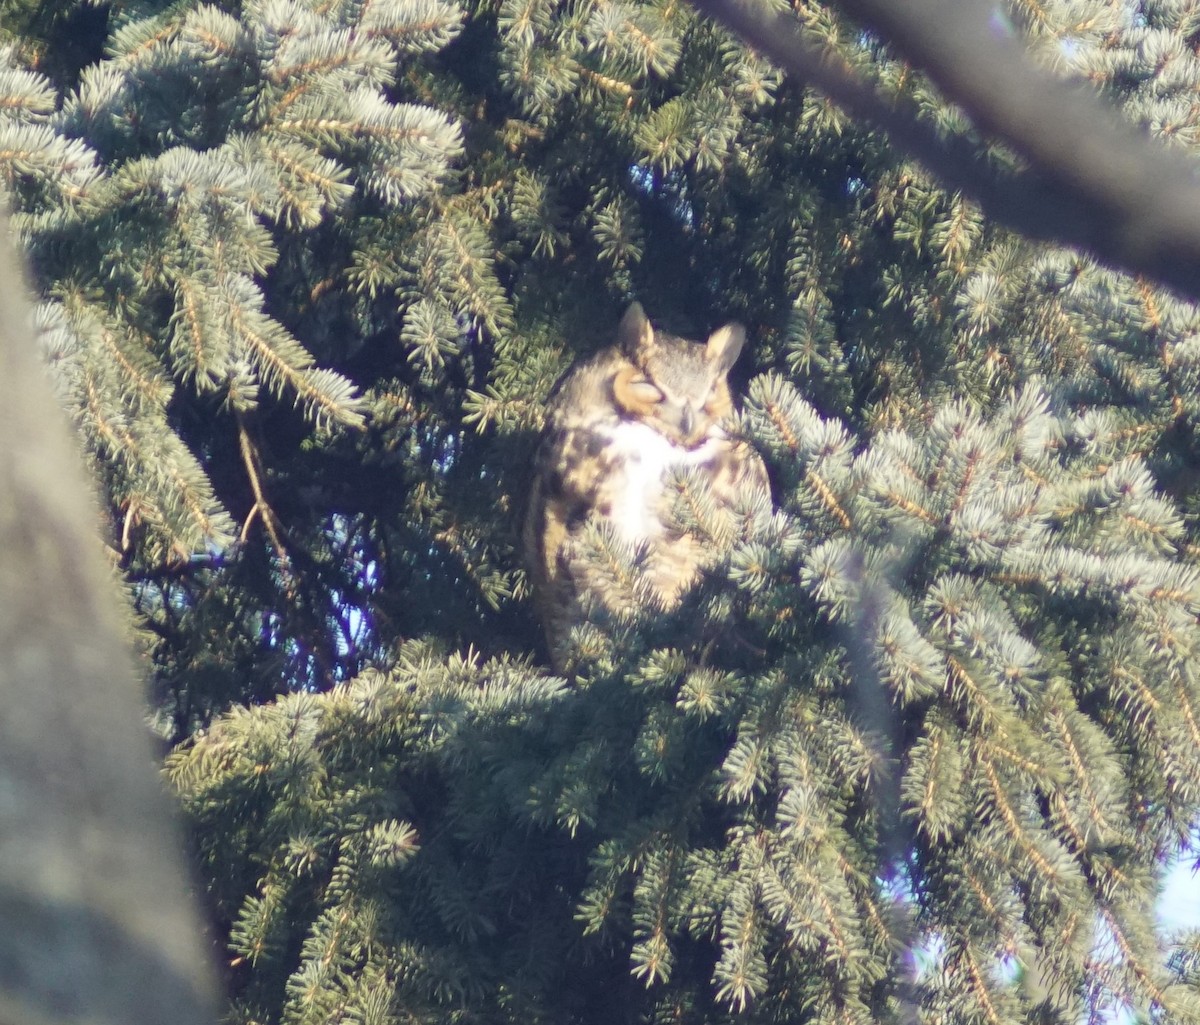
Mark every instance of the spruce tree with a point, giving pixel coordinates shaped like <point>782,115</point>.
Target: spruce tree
<point>916,749</point>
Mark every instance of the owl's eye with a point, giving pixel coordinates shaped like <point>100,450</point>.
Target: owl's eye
<point>633,394</point>
<point>643,392</point>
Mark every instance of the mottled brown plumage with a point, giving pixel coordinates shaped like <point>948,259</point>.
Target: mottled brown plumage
<point>620,428</point>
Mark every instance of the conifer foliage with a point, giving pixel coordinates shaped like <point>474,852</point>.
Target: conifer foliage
<point>915,750</point>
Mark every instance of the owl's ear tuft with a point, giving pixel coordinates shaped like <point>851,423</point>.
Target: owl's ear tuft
<point>634,334</point>
<point>724,347</point>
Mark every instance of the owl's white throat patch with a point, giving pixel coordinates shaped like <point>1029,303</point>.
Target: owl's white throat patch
<point>644,458</point>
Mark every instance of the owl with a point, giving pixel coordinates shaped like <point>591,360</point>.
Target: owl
<point>621,428</point>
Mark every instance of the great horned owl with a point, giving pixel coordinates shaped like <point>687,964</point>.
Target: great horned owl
<point>620,427</point>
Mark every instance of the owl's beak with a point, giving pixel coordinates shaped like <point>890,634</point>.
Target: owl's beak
<point>687,422</point>
<point>693,427</point>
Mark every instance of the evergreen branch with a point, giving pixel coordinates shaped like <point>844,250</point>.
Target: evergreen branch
<point>966,478</point>
<point>612,85</point>
<point>414,25</point>
<point>1001,800</point>
<point>254,336</point>
<point>136,41</point>
<point>300,90</point>
<point>1137,696</point>
<point>308,183</point>
<point>167,458</point>
<point>864,895</point>
<point>144,383</point>
<point>909,507</point>
<point>741,969</point>
<point>615,29</point>
<point>828,498</point>
<point>1000,922</point>
<point>1093,182</point>
<point>789,909</point>
<point>1082,778</point>
<point>693,509</point>
<point>346,129</point>
<point>651,953</point>
<point>1130,959</point>
<point>147,382</point>
<point>23,93</point>
<point>189,319</point>
<point>313,60</point>
<point>782,427</point>
<point>215,33</point>
<point>1042,774</point>
<point>116,438</point>
<point>930,798</point>
<point>326,397</point>
<point>68,165</point>
<point>491,409</point>
<point>455,258</point>
<point>419,140</point>
<point>1187,705</point>
<point>972,697</point>
<point>978,986</point>
<point>197,342</point>
<point>744,768</point>
<point>1060,813</point>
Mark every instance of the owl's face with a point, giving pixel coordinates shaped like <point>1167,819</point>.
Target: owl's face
<point>679,388</point>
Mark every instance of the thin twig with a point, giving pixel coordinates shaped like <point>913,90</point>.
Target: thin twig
<point>262,508</point>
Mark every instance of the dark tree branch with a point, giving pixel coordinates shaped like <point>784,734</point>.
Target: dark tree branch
<point>1093,180</point>
<point>96,924</point>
